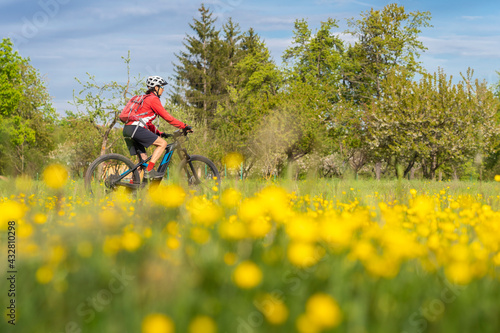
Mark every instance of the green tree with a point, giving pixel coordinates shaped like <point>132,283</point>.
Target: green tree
<point>385,39</point>
<point>10,78</point>
<point>101,104</point>
<point>312,84</point>
<point>252,94</point>
<point>315,58</point>
<point>28,117</point>
<point>197,71</point>
<point>433,121</point>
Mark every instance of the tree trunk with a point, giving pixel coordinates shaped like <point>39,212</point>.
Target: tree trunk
<point>378,170</point>
<point>104,143</point>
<point>205,88</point>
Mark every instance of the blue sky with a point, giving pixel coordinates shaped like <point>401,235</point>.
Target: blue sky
<point>67,38</point>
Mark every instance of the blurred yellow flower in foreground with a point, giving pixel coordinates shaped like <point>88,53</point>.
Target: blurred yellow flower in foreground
<point>131,241</point>
<point>44,274</point>
<point>497,178</point>
<point>173,243</point>
<point>170,196</point>
<point>247,275</point>
<point>40,218</point>
<point>55,176</point>
<point>273,309</point>
<point>303,254</point>
<point>322,311</point>
<point>11,211</point>
<point>459,273</point>
<point>230,198</point>
<point>204,211</point>
<point>157,323</point>
<point>202,324</point>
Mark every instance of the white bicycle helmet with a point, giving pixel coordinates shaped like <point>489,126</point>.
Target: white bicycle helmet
<point>154,81</point>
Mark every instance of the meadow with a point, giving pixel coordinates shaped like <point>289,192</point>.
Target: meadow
<point>307,256</point>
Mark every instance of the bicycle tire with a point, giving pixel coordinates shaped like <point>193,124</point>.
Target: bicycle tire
<point>112,166</point>
<point>206,175</point>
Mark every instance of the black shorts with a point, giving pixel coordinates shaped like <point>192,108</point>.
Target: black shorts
<point>143,138</point>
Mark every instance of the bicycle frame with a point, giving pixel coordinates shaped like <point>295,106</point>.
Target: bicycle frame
<point>165,162</point>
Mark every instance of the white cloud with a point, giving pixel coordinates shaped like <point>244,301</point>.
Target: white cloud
<point>463,45</point>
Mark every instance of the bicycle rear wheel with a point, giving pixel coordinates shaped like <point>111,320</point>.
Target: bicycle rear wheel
<point>200,173</point>
<point>103,175</point>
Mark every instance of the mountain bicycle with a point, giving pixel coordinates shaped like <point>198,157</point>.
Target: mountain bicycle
<point>111,171</point>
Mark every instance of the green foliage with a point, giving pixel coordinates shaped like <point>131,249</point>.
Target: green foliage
<point>197,73</point>
<point>386,39</point>
<point>27,120</point>
<point>252,94</point>
<point>432,121</point>
<point>316,58</point>
<point>11,83</point>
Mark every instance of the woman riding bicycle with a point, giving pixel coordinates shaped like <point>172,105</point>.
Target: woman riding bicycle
<point>140,134</point>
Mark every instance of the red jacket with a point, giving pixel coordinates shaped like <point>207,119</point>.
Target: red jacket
<point>152,106</point>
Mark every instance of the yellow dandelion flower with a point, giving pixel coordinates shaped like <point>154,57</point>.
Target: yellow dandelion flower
<point>202,324</point>
<point>170,196</point>
<point>323,310</point>
<point>44,274</point>
<point>172,228</point>
<point>204,211</point>
<point>250,209</point>
<point>273,309</point>
<point>173,243</point>
<point>157,323</point>
<point>112,245</point>
<point>497,178</point>
<point>259,227</point>
<point>24,230</point>
<point>131,241</point>
<point>306,325</point>
<point>276,201</point>
<point>230,198</point>
<point>459,272</point>
<point>11,211</point>
<point>302,228</point>
<point>55,176</point>
<point>247,275</point>
<point>302,254</point>
<point>232,229</point>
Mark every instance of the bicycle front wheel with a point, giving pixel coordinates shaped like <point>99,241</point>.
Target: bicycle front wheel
<point>104,175</point>
<point>199,173</point>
